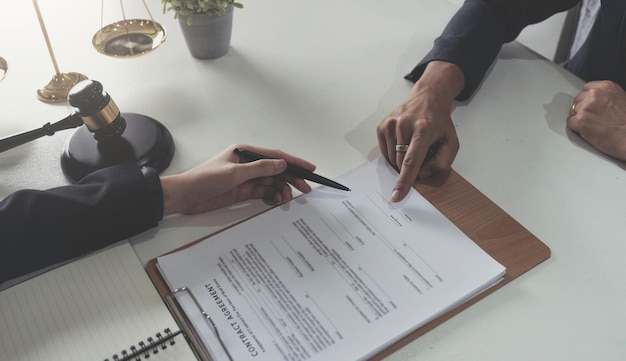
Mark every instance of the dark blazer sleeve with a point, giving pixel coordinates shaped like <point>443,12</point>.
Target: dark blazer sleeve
<point>42,228</point>
<point>476,33</point>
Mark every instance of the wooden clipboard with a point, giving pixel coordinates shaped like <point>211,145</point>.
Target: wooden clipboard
<point>473,213</point>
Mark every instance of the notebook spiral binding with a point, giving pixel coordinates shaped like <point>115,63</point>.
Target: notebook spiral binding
<point>143,350</point>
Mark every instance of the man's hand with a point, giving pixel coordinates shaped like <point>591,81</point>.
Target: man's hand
<point>423,123</point>
<point>598,115</point>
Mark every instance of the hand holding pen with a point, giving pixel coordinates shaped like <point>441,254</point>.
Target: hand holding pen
<point>292,170</point>
<point>229,178</point>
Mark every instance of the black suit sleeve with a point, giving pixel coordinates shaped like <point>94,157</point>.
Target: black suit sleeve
<point>476,33</point>
<point>42,228</point>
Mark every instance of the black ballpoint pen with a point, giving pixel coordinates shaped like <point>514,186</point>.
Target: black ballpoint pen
<point>292,170</point>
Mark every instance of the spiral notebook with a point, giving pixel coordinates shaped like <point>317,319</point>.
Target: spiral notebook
<point>100,307</point>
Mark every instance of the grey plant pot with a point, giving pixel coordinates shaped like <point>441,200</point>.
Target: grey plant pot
<point>208,36</point>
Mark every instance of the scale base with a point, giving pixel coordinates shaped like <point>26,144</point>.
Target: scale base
<point>58,88</point>
<point>144,141</point>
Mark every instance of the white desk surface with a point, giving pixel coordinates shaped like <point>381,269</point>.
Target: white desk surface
<point>314,78</point>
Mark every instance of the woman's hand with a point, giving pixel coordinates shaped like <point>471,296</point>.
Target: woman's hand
<point>226,179</point>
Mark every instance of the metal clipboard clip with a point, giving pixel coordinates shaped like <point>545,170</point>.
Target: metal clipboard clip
<point>187,326</point>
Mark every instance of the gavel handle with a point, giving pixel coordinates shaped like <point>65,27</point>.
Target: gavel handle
<point>71,121</point>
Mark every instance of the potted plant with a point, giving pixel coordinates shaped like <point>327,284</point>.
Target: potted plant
<point>206,24</point>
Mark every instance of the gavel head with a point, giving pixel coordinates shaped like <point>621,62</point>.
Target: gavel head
<point>97,110</point>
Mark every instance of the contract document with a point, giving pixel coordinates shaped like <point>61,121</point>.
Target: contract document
<point>331,275</point>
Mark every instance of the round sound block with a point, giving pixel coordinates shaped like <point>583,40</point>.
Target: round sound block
<point>144,141</point>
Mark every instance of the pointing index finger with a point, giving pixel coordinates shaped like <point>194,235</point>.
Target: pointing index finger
<point>409,169</point>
